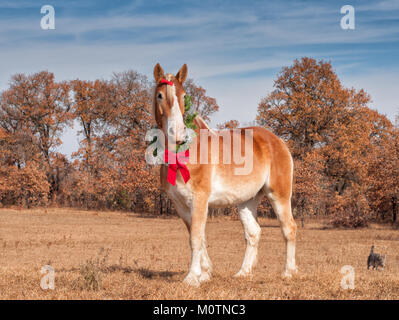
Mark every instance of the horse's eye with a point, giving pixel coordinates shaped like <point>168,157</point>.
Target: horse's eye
<point>159,95</point>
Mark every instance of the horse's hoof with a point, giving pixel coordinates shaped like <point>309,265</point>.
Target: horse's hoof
<point>205,276</point>
<point>191,280</point>
<point>242,274</point>
<point>288,273</point>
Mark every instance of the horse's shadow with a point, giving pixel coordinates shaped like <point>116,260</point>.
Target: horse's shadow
<point>268,226</point>
<point>153,274</point>
<point>144,272</point>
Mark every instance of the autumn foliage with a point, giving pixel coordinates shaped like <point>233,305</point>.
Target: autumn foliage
<point>108,170</point>
<point>345,153</point>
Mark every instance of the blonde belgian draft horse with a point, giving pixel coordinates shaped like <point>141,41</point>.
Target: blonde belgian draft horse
<point>217,185</point>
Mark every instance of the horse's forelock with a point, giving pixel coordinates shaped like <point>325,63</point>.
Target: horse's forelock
<point>170,94</point>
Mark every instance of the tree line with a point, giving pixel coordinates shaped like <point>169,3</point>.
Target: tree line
<point>346,155</point>
<point>108,170</point>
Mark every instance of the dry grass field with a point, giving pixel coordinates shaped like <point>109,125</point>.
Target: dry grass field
<point>132,257</point>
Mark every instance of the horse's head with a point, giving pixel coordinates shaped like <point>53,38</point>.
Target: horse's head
<point>168,105</point>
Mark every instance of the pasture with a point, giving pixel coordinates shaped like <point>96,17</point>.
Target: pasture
<point>129,256</point>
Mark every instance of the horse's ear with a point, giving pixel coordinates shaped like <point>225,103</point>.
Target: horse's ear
<point>200,123</point>
<point>182,74</point>
<point>158,73</point>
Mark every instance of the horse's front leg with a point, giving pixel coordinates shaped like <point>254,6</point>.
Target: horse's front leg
<point>206,265</point>
<point>200,266</point>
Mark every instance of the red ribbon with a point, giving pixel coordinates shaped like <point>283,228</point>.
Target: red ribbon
<point>179,161</point>
<point>167,82</point>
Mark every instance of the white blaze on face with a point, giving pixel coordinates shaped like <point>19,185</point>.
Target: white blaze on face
<point>175,125</point>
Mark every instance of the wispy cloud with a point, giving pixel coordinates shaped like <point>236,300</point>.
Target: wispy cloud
<point>386,5</point>
<point>312,24</point>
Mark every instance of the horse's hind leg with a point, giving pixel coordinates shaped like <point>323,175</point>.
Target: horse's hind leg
<point>247,213</point>
<point>282,208</point>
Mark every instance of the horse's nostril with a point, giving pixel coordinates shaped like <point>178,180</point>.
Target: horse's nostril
<point>171,131</point>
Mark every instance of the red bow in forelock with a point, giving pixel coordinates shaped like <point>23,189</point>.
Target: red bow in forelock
<point>167,82</point>
<point>179,161</point>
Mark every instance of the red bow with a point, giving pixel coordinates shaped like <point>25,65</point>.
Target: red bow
<point>167,82</point>
<point>179,161</point>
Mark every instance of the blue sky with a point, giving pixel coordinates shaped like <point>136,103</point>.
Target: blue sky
<point>233,48</point>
